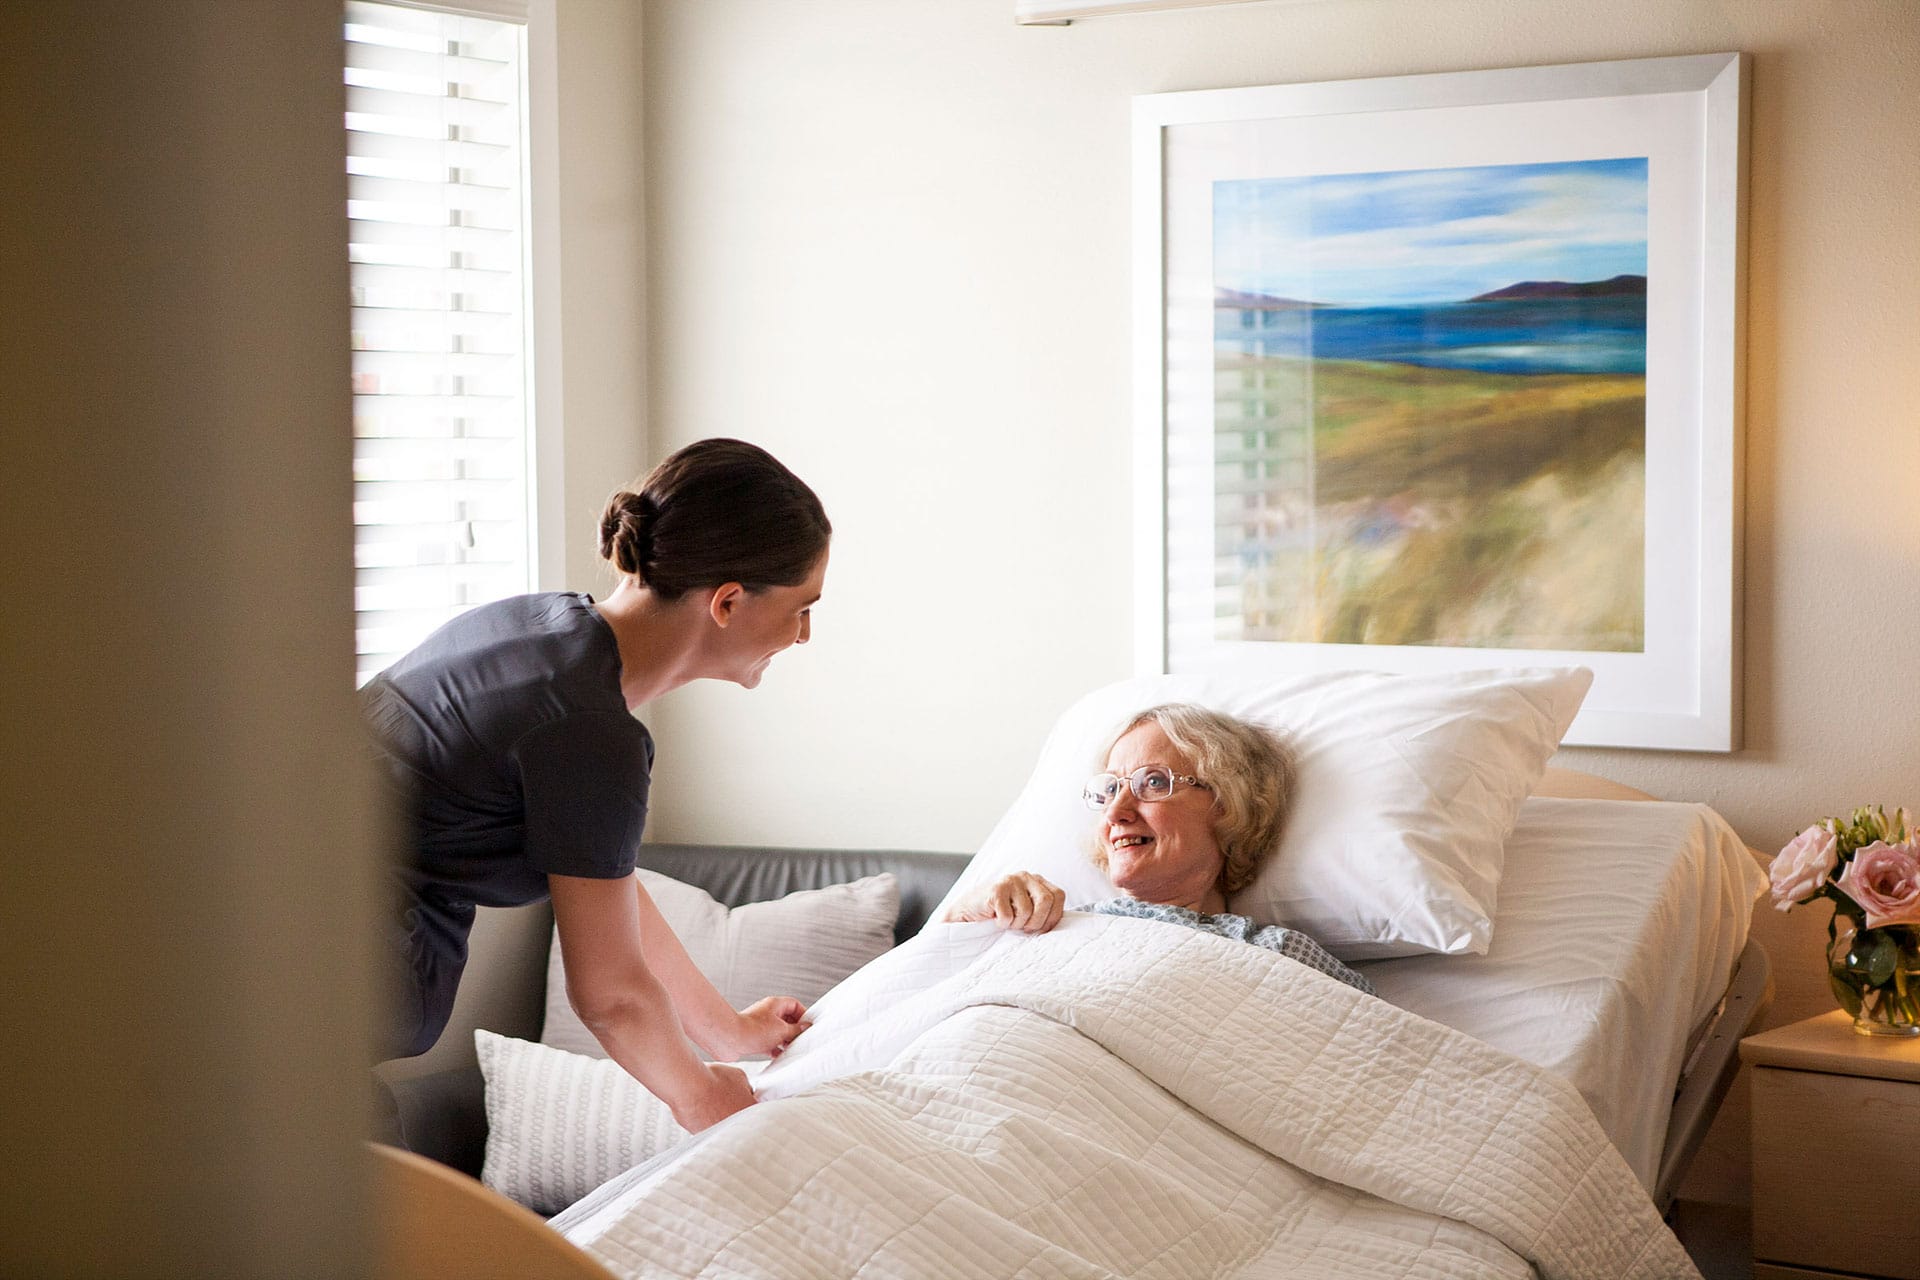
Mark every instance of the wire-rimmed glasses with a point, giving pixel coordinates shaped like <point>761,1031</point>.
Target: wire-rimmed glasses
<point>1148,783</point>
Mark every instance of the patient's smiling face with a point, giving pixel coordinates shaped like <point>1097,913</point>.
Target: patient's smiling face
<point>1164,851</point>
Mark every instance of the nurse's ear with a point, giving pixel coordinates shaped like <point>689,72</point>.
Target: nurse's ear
<point>722,604</point>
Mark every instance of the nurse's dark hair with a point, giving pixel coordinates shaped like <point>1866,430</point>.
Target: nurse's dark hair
<point>716,511</point>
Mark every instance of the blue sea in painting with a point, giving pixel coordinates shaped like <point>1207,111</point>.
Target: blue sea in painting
<point>1519,335</point>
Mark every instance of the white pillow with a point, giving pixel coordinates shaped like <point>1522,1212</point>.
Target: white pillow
<point>560,1124</point>
<point>1408,786</point>
<point>799,945</point>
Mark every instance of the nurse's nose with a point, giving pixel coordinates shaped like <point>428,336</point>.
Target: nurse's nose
<point>806,629</point>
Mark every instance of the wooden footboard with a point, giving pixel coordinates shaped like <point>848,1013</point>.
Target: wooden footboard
<point>436,1223</point>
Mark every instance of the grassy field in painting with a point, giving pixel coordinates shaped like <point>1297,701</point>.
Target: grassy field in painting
<point>1453,507</point>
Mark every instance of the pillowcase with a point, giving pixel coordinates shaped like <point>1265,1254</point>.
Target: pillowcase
<point>559,1124</point>
<point>1408,786</point>
<point>799,945</point>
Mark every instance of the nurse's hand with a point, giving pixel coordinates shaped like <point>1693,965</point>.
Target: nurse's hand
<point>1024,901</point>
<point>727,1091</point>
<point>766,1026</point>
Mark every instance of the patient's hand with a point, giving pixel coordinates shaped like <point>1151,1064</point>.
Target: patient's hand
<point>1023,901</point>
<point>766,1026</point>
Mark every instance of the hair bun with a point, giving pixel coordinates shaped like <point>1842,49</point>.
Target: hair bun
<point>626,532</point>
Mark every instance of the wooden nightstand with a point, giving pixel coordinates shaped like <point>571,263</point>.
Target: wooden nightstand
<point>1836,1137</point>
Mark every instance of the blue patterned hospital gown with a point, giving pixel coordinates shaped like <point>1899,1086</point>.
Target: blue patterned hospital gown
<point>1290,943</point>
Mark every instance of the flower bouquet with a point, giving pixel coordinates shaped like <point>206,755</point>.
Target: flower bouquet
<point>1870,867</point>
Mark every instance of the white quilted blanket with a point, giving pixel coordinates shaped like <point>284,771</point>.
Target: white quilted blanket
<point>1127,1098</point>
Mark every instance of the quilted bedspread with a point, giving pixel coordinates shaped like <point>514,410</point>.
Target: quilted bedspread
<point>1127,1098</point>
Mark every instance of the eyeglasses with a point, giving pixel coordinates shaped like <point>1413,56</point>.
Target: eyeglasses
<point>1148,784</point>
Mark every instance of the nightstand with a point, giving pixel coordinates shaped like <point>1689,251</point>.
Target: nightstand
<point>1836,1133</point>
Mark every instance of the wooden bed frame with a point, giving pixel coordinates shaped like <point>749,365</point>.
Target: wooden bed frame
<point>441,1100</point>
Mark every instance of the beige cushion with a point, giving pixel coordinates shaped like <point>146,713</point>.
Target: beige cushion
<point>800,945</point>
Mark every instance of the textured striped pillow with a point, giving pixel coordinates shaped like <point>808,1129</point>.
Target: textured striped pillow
<point>559,1124</point>
<point>800,945</point>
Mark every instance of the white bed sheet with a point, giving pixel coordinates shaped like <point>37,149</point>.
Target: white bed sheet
<point>1617,927</point>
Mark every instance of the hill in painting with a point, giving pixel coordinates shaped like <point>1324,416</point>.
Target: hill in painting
<point>1617,287</point>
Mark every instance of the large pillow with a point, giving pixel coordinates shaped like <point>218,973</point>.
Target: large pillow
<point>559,1124</point>
<point>799,945</point>
<point>1407,789</point>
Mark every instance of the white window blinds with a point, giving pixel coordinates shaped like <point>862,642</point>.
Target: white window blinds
<point>437,209</point>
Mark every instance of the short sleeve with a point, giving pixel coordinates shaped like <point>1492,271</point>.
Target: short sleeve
<point>583,783</point>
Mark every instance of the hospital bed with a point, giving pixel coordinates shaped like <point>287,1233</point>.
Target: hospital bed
<point>1621,962</point>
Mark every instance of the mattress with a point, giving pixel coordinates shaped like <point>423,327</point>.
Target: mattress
<point>1615,934</point>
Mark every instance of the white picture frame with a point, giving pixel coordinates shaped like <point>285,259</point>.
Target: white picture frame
<point>1685,116</point>
<point>1059,13</point>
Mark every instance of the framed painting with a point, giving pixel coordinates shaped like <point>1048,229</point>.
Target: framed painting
<point>1444,372</point>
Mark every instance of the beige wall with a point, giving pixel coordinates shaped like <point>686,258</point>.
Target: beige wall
<point>188,830</point>
<point>889,239</point>
<point>590,272</point>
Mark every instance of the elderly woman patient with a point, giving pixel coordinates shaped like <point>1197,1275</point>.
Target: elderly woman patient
<point>1190,804</point>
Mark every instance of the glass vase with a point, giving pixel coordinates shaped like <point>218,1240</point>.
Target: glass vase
<point>1875,975</point>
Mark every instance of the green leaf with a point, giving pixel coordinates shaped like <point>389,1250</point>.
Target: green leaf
<point>1874,954</point>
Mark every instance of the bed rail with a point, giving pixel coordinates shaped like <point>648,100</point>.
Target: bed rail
<point>1715,1063</point>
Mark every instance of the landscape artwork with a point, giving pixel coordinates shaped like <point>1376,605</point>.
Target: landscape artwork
<point>1430,414</point>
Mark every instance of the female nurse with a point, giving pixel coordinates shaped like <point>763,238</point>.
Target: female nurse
<point>510,740</point>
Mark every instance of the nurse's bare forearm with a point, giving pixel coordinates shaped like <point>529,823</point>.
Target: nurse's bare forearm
<point>703,1010</point>
<point>640,1030</point>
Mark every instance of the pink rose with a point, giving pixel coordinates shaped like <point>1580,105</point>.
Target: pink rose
<point>1803,866</point>
<point>1885,880</point>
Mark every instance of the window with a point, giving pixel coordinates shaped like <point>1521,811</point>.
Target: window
<point>437,202</point>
